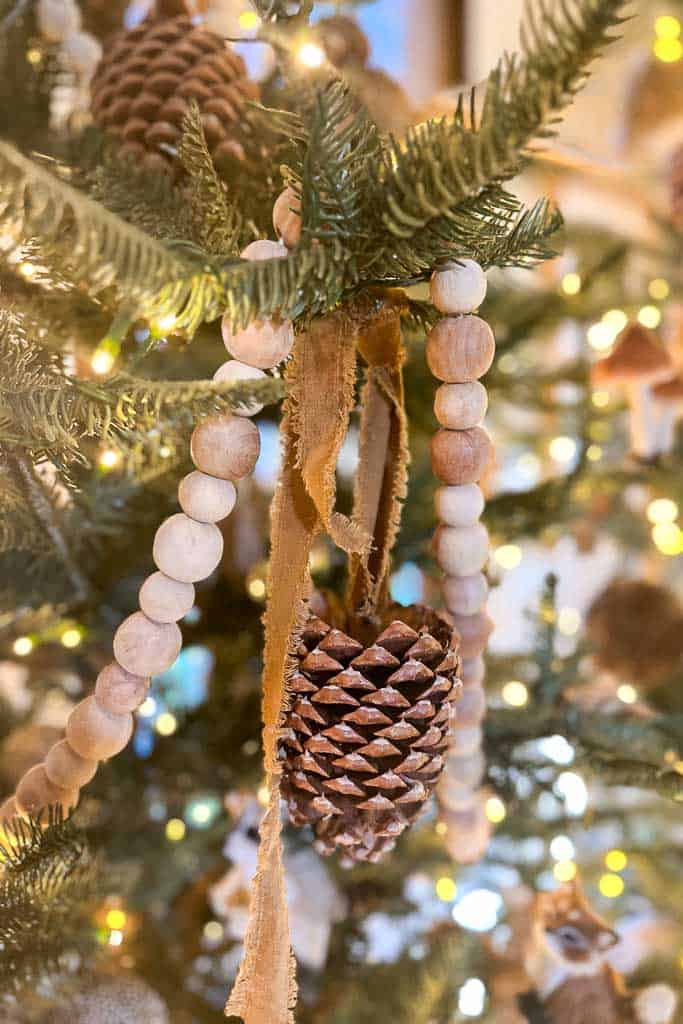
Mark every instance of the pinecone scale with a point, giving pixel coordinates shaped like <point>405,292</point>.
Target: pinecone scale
<point>367,729</point>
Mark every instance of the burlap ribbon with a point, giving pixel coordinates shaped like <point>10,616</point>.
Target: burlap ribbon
<point>321,380</point>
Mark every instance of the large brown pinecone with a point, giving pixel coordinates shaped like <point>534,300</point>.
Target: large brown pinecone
<point>368,728</point>
<point>145,82</point>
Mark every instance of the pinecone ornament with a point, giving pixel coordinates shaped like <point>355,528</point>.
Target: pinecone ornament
<point>144,85</point>
<point>368,728</point>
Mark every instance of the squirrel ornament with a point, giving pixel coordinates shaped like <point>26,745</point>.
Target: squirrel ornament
<point>566,960</point>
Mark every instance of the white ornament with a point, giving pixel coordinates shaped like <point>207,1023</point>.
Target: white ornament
<point>656,1005</point>
<point>264,249</point>
<point>458,287</point>
<point>459,506</point>
<point>234,370</point>
<point>58,19</point>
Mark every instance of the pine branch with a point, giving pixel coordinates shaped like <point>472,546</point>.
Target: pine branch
<point>423,178</point>
<point>147,200</point>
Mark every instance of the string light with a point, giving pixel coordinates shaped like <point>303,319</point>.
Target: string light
<point>616,860</point>
<point>27,270</point>
<point>175,830</point>
<point>667,45</point>
<point>257,588</point>
<point>148,708</point>
<point>659,289</point>
<point>446,889</point>
<point>571,284</point>
<point>568,621</point>
<point>22,646</point>
<point>165,452</point>
<point>34,56</point>
<point>600,399</point>
<point>602,335</point>
<point>263,795</point>
<point>441,828</point>
<point>565,870</point>
<point>611,886</point>
<point>108,459</point>
<point>515,694</point>
<point>165,324</point>
<point>249,20</point>
<point>116,919</point>
<point>649,316</point>
<point>562,848</point>
<point>115,937</point>
<point>627,694</point>
<point>213,931</point>
<point>495,810</point>
<point>594,452</point>
<point>668,538</point>
<point>71,637</point>
<point>662,510</point>
<point>562,449</point>
<point>508,556</point>
<point>472,998</point>
<point>311,55</point>
<point>166,724</point>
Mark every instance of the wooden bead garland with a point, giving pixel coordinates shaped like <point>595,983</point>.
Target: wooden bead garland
<point>287,217</point>
<point>263,343</point>
<point>460,350</point>
<point>187,548</point>
<point>234,370</point>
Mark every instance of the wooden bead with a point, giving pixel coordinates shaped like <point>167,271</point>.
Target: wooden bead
<point>467,739</point>
<point>465,595</point>
<point>263,249</point>
<point>462,550</point>
<point>8,810</point>
<point>468,770</point>
<point>186,551</point>
<point>454,794</point>
<point>471,706</point>
<point>68,769</point>
<point>146,648</point>
<point>473,671</point>
<point>458,287</point>
<point>208,499</point>
<point>225,446</point>
<point>117,691</point>
<point>287,217</point>
<point>233,370</point>
<point>474,631</point>
<point>96,734</point>
<point>460,456</point>
<point>163,599</point>
<point>36,793</point>
<point>459,506</point>
<point>460,406</point>
<point>262,343</point>
<point>460,349</point>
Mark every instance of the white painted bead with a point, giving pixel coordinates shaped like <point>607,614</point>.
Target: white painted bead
<point>473,671</point>
<point>467,770</point>
<point>36,793</point>
<point>263,343</point>
<point>96,734</point>
<point>145,648</point>
<point>118,691</point>
<point>68,769</point>
<point>225,446</point>
<point>471,706</point>
<point>58,19</point>
<point>186,550</point>
<point>82,53</point>
<point>264,249</point>
<point>462,551</point>
<point>208,499</point>
<point>465,595</point>
<point>458,287</point>
<point>454,794</point>
<point>287,217</point>
<point>467,739</point>
<point>163,599</point>
<point>233,371</point>
<point>459,506</point>
<point>461,406</point>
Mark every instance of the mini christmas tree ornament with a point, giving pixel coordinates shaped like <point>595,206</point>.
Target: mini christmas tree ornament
<point>460,350</point>
<point>149,76</point>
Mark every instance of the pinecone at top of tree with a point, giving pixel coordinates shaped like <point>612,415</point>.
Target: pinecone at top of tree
<point>147,79</point>
<point>368,727</point>
<point>676,188</point>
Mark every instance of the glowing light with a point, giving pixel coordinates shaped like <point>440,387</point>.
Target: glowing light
<point>108,459</point>
<point>165,452</point>
<point>249,20</point>
<point>166,724</point>
<point>662,510</point>
<point>668,50</point>
<point>202,811</point>
<point>562,848</point>
<point>165,324</point>
<point>213,931</point>
<point>446,889</point>
<point>601,335</point>
<point>600,399</point>
<point>311,55</point>
<point>616,860</point>
<point>116,919</point>
<point>572,789</point>
<point>557,749</point>
<point>515,694</point>
<point>495,810</point>
<point>257,589</point>
<point>115,938</point>
<point>659,289</point>
<point>472,998</point>
<point>508,556</point>
<point>617,318</point>
<point>148,707</point>
<point>611,886</point>
<point>441,828</point>
<point>175,830</point>
<point>562,449</point>
<point>569,621</point>
<point>649,316</point>
<point>34,56</point>
<point>27,270</point>
<point>71,637</point>
<point>263,795</point>
<point>565,870</point>
<point>668,538</point>
<point>627,694</point>
<point>102,361</point>
<point>594,452</point>
<point>667,27</point>
<point>478,910</point>
<point>571,284</point>
<point>22,646</point>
